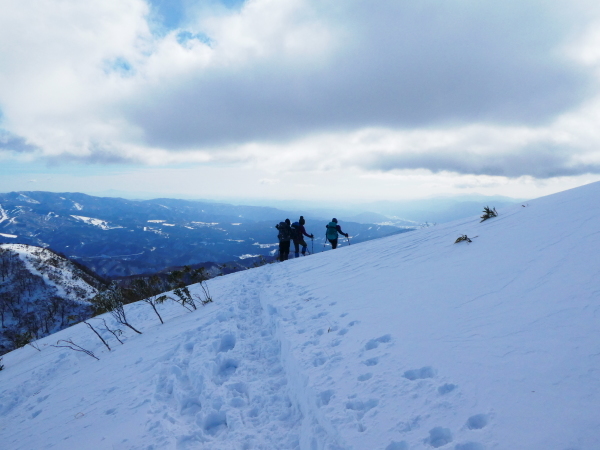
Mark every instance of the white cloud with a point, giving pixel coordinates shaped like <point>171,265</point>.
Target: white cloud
<point>269,181</point>
<point>489,90</point>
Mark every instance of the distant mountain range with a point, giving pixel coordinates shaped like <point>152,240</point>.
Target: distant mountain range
<point>119,237</point>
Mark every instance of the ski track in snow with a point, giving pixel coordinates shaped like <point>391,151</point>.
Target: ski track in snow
<point>222,389</point>
<point>345,402</point>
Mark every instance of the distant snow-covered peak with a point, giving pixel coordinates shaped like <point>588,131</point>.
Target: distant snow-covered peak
<point>27,199</point>
<point>103,224</point>
<point>3,215</point>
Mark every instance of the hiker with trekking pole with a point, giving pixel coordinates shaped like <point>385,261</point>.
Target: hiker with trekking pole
<point>298,234</point>
<point>333,230</point>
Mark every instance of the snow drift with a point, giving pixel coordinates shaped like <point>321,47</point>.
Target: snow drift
<point>407,342</point>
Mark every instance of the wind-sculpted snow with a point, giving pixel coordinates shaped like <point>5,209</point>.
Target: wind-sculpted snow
<point>408,342</point>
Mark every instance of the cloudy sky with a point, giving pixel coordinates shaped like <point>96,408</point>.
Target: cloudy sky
<point>288,99</point>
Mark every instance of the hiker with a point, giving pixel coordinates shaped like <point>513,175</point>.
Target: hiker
<point>298,232</point>
<point>333,229</point>
<point>285,234</point>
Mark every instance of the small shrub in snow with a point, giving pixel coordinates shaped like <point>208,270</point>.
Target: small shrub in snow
<point>464,237</point>
<point>97,334</point>
<point>181,291</point>
<point>207,297</point>
<point>488,213</point>
<point>148,289</point>
<point>111,300</point>
<point>180,279</point>
<point>116,333</point>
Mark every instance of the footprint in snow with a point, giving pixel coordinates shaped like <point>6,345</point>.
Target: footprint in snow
<point>419,374</point>
<point>319,359</point>
<point>325,397</point>
<point>225,370</point>
<point>397,446</point>
<point>214,423</point>
<point>361,407</point>
<point>374,343</point>
<point>439,437</point>
<point>226,343</point>
<point>321,314</point>
<point>446,388</point>
<point>469,446</point>
<point>478,421</point>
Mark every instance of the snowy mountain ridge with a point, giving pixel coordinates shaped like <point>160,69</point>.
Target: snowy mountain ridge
<point>406,342</point>
<point>41,292</point>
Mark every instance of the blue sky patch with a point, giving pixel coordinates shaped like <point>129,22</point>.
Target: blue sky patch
<point>171,14</point>
<point>185,36</point>
<point>119,65</point>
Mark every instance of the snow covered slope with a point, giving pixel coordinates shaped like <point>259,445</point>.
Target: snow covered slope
<point>41,292</point>
<point>407,342</point>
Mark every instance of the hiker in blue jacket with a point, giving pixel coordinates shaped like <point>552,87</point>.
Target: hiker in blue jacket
<point>333,230</point>
<point>298,236</point>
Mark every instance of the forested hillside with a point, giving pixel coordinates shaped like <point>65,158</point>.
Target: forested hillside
<point>41,292</point>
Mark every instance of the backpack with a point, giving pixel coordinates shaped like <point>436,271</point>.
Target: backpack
<point>296,231</point>
<point>332,232</point>
<point>285,232</point>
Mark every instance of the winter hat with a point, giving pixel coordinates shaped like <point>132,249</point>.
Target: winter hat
<point>334,220</point>
<point>302,221</point>
<point>287,221</point>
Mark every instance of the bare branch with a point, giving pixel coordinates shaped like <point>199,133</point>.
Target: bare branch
<point>97,334</point>
<point>76,347</point>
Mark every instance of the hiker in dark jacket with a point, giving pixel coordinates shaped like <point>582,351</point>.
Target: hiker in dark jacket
<point>333,229</point>
<point>285,234</point>
<point>299,234</point>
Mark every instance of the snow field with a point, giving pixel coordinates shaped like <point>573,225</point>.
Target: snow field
<point>407,342</point>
